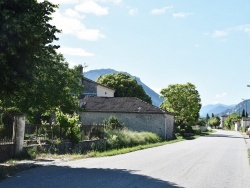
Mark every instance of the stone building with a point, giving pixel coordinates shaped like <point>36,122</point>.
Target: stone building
<point>136,114</point>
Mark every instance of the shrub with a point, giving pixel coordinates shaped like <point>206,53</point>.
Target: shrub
<point>127,138</point>
<point>113,123</point>
<point>70,125</point>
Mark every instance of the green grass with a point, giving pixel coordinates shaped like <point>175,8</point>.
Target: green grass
<point>249,155</point>
<point>130,149</point>
<point>11,167</point>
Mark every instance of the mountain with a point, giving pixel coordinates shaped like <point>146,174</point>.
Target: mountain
<point>94,74</point>
<point>244,105</point>
<point>216,109</point>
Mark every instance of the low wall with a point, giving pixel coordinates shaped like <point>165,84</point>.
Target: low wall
<point>81,147</point>
<point>7,151</point>
<point>67,147</point>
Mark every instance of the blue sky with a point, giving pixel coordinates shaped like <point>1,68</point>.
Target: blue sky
<point>163,42</point>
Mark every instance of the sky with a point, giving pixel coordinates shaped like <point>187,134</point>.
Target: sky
<point>163,42</point>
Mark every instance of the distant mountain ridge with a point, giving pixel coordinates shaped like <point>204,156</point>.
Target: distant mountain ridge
<point>94,74</point>
<point>215,109</point>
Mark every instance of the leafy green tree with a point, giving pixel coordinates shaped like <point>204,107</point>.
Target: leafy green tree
<point>125,86</point>
<point>243,114</point>
<point>201,122</point>
<point>26,43</point>
<point>184,101</point>
<point>212,115</point>
<point>231,119</point>
<point>70,124</point>
<point>33,77</point>
<point>214,121</point>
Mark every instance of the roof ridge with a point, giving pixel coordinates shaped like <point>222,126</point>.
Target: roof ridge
<point>98,83</point>
<point>151,105</point>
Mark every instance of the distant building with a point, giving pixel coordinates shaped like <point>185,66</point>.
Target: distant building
<point>245,122</point>
<point>222,120</point>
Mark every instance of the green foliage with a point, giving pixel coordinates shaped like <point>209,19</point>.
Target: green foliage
<point>125,138</point>
<point>214,121</point>
<point>243,114</point>
<point>207,117</point>
<point>125,86</point>
<point>113,123</point>
<point>34,78</point>
<point>183,100</point>
<point>201,122</point>
<point>29,153</point>
<point>230,121</point>
<point>70,124</point>
<point>26,40</point>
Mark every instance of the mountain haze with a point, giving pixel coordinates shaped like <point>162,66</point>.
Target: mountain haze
<point>94,74</point>
<point>215,109</point>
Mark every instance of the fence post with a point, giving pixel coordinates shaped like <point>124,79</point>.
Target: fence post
<point>20,129</point>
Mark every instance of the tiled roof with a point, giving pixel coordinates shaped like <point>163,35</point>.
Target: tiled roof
<point>118,104</point>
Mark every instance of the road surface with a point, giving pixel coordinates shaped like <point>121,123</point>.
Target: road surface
<point>218,160</point>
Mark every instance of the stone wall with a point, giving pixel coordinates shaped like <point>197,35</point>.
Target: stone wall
<point>156,123</point>
<point>7,151</point>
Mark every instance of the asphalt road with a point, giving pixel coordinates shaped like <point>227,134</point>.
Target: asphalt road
<point>218,160</point>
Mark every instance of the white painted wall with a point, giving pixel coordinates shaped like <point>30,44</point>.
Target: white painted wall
<point>104,92</point>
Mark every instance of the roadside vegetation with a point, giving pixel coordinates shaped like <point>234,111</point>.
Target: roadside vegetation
<point>13,166</point>
<point>249,155</point>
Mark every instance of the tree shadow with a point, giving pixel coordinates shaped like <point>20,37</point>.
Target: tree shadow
<point>64,176</point>
<point>223,136</point>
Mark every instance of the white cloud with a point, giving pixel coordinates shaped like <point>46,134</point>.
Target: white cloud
<point>221,95</point>
<point>113,1</point>
<point>89,34</point>
<point>181,14</point>
<point>245,28</point>
<point>162,10</point>
<point>75,52</point>
<point>91,7</point>
<point>219,34</point>
<point>133,12</point>
<point>74,26</point>
<point>73,14</point>
<point>61,1</point>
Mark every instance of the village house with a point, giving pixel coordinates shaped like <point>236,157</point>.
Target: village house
<point>99,103</point>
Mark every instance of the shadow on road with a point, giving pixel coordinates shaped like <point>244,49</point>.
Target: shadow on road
<point>223,135</point>
<point>64,176</point>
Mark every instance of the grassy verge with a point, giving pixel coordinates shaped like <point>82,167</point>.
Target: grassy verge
<point>11,167</point>
<point>249,155</point>
<point>131,149</point>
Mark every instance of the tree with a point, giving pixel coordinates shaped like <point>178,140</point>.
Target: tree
<point>184,101</point>
<point>207,117</point>
<point>230,120</point>
<point>26,42</point>
<point>124,85</point>
<point>214,121</point>
<point>243,114</point>
<point>212,115</point>
<point>33,77</point>
<point>201,122</point>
